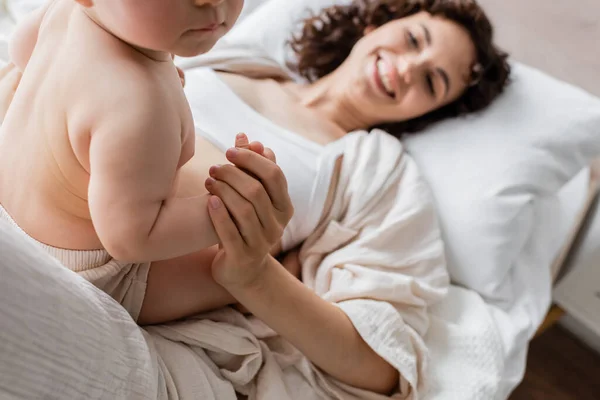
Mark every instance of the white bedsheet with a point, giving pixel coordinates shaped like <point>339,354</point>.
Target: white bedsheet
<point>464,315</point>
<point>77,356</point>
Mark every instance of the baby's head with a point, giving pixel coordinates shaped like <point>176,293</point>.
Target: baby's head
<point>182,27</point>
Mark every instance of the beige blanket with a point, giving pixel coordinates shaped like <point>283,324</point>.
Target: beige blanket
<point>378,255</point>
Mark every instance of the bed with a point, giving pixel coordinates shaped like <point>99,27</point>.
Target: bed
<point>559,38</point>
<point>513,313</point>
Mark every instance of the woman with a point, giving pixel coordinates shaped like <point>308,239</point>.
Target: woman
<point>399,65</point>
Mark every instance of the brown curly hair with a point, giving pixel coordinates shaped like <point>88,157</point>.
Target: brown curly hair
<point>326,40</point>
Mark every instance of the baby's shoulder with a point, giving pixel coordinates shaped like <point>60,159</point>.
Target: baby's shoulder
<point>129,96</point>
<point>134,85</point>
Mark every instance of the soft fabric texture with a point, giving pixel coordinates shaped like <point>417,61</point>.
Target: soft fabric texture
<point>125,282</point>
<point>491,181</point>
<point>61,337</point>
<point>446,347</point>
<point>494,176</point>
<point>379,254</point>
<point>355,259</point>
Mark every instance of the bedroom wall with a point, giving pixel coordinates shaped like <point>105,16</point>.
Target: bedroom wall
<point>561,37</point>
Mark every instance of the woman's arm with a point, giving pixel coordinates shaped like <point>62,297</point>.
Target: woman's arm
<point>184,286</point>
<point>319,329</point>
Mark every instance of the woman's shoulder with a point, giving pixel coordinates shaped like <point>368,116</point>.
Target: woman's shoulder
<point>250,61</point>
<point>374,144</point>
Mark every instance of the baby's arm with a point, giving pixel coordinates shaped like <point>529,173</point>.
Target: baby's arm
<point>24,38</point>
<point>134,154</point>
<point>184,286</point>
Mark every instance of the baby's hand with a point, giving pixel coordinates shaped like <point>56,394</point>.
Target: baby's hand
<point>241,142</point>
<point>249,208</point>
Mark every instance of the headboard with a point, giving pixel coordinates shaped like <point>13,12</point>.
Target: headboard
<point>560,37</point>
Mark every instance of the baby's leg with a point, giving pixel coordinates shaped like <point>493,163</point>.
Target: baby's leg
<point>182,287</point>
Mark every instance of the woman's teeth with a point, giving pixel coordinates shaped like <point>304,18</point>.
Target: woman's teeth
<point>383,75</point>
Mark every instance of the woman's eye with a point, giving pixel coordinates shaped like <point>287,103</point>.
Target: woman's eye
<point>413,40</point>
<point>429,83</point>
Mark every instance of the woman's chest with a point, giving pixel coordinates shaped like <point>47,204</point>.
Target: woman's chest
<point>264,115</point>
<point>267,98</point>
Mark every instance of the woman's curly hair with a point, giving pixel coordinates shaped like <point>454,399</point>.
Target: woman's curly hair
<point>327,39</point>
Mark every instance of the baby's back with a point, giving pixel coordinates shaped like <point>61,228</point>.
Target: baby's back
<point>68,83</point>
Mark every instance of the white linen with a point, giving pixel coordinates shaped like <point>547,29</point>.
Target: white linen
<point>493,181</point>
<point>49,313</point>
<point>465,351</point>
<point>61,337</point>
<point>209,356</point>
<point>355,263</point>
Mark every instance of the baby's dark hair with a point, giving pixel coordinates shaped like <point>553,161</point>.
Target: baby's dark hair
<point>326,40</point>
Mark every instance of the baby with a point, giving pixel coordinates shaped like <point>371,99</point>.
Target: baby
<point>96,136</point>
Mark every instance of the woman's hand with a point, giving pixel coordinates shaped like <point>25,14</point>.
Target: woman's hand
<point>249,209</point>
<point>10,76</point>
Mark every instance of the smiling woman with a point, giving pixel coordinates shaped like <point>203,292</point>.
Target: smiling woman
<point>425,60</point>
<point>421,61</point>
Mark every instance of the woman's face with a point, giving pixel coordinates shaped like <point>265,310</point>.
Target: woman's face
<point>407,68</point>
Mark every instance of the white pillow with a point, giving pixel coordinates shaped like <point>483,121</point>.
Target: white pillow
<point>272,23</point>
<point>489,172</point>
<point>494,175</point>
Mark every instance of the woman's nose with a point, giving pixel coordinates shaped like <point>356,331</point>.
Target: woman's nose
<point>406,67</point>
<point>213,3</point>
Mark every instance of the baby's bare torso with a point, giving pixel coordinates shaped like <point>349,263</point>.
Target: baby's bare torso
<point>73,74</point>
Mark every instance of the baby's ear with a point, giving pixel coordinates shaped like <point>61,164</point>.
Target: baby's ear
<point>86,3</point>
